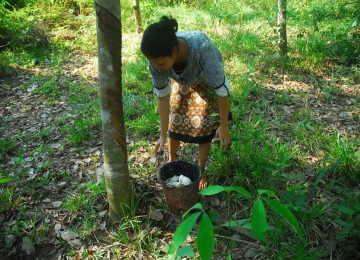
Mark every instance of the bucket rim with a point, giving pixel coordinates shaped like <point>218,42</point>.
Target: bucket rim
<point>195,168</point>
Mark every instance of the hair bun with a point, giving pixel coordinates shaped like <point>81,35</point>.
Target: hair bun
<point>159,39</point>
<point>168,23</point>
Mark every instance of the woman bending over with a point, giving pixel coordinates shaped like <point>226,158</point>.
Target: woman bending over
<point>193,92</point>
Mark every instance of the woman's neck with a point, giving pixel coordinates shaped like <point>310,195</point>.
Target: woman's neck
<point>183,52</point>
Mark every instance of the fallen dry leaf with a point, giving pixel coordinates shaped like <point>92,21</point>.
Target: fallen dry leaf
<point>155,214</point>
<point>68,235</point>
<point>28,246</point>
<point>56,204</point>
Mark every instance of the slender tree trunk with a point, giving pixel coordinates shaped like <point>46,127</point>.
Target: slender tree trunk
<point>282,28</point>
<point>108,25</point>
<point>137,16</point>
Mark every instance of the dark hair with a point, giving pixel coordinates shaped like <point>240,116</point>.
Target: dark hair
<point>159,39</point>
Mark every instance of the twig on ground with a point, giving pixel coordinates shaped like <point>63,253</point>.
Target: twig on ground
<point>239,240</point>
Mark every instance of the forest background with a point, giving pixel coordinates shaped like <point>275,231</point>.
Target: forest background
<point>295,130</point>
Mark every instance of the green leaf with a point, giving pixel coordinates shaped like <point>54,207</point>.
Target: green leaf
<point>182,232</point>
<point>357,207</point>
<point>270,193</point>
<point>214,216</point>
<point>258,220</point>
<point>212,190</point>
<point>285,213</point>
<point>321,175</point>
<point>5,180</point>
<point>185,251</point>
<point>196,206</point>
<point>341,222</point>
<point>236,223</point>
<point>248,226</point>
<point>356,23</point>
<point>344,209</point>
<point>238,189</point>
<point>205,237</point>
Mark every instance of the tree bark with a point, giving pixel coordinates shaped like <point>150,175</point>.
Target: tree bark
<point>137,16</point>
<point>118,187</point>
<point>281,22</point>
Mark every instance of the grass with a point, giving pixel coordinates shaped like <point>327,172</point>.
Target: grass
<point>9,200</point>
<point>281,141</point>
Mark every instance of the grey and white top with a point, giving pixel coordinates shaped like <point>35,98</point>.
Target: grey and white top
<point>205,65</point>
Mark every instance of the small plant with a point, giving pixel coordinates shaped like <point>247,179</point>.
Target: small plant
<point>144,120</point>
<point>79,131</point>
<point>282,98</point>
<point>48,88</point>
<point>349,220</point>
<point>3,5</point>
<point>343,159</point>
<point>4,180</point>
<point>8,200</point>
<point>44,166</point>
<point>205,233</point>
<point>74,203</point>
<point>139,236</point>
<point>7,145</point>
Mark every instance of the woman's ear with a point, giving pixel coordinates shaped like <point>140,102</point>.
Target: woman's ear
<point>175,52</point>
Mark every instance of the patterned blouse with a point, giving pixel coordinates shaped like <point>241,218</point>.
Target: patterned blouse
<point>205,65</point>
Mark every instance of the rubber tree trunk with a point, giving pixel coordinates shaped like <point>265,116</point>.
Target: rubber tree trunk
<point>281,22</point>
<point>118,187</point>
<point>137,14</point>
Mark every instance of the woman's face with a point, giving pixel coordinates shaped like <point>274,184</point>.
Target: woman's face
<point>164,63</point>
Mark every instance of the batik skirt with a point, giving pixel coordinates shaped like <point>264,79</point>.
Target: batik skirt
<point>194,113</point>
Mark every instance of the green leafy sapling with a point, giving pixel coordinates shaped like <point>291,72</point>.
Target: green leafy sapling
<point>205,234</point>
<point>205,241</point>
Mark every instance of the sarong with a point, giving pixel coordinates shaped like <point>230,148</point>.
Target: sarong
<point>194,113</point>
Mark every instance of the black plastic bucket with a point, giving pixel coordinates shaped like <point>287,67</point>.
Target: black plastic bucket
<point>180,199</point>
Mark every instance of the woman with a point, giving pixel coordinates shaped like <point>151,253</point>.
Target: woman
<point>194,106</point>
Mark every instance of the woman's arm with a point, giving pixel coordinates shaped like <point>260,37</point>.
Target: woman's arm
<point>223,131</point>
<point>163,110</point>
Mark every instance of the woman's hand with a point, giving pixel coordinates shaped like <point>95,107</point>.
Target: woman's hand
<point>159,146</point>
<point>223,133</point>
